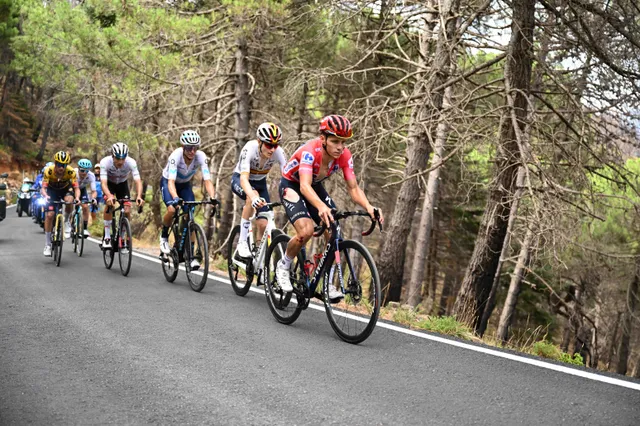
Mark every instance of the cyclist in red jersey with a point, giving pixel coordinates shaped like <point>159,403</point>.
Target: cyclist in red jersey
<point>303,195</point>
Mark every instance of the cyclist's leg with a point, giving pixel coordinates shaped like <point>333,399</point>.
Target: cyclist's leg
<point>85,208</point>
<point>50,214</point>
<point>263,212</point>
<point>326,198</point>
<point>108,212</point>
<point>247,210</point>
<point>298,214</point>
<point>68,197</point>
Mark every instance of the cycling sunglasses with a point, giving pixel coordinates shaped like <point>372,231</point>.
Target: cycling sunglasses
<point>190,148</point>
<point>270,145</point>
<point>83,170</point>
<point>59,165</point>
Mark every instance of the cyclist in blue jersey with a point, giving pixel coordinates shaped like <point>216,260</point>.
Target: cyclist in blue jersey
<point>176,179</point>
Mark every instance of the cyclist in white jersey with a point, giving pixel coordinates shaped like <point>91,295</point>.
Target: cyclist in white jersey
<point>176,179</point>
<point>250,178</point>
<point>86,179</point>
<point>114,171</point>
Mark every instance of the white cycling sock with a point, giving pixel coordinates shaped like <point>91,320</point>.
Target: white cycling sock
<point>107,229</point>
<point>286,261</point>
<point>244,229</point>
<point>47,236</point>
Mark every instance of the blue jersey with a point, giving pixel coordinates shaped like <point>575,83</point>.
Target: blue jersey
<point>38,183</point>
<point>98,189</point>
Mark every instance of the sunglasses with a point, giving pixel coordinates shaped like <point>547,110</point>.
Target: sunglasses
<point>83,170</point>
<point>60,165</point>
<point>270,145</point>
<point>190,148</point>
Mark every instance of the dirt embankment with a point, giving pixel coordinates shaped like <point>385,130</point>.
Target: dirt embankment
<point>18,170</point>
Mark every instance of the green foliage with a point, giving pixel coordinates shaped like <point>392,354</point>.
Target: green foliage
<point>446,325</point>
<point>548,350</point>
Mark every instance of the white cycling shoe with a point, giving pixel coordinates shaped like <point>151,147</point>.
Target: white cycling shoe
<point>87,234</point>
<point>195,265</point>
<point>47,251</point>
<point>282,276</point>
<point>243,249</point>
<point>335,294</point>
<point>67,230</point>
<point>164,246</point>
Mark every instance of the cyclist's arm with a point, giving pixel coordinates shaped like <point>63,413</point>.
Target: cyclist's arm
<point>246,186</point>
<point>171,186</point>
<point>139,192</point>
<point>105,188</point>
<point>43,189</point>
<point>357,195</point>
<point>306,179</point>
<point>209,187</point>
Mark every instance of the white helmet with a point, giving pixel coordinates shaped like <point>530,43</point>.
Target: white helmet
<point>119,150</point>
<point>190,137</point>
<point>26,180</point>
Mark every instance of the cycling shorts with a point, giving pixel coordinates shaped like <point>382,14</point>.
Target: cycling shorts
<point>57,195</point>
<point>296,206</point>
<point>184,190</point>
<point>256,185</point>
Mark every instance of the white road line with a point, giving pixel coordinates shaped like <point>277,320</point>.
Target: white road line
<point>480,349</point>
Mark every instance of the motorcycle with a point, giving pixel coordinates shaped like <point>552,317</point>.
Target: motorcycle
<point>3,201</point>
<point>38,203</point>
<point>24,199</point>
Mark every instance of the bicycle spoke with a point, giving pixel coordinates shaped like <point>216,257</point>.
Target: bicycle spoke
<point>197,258</point>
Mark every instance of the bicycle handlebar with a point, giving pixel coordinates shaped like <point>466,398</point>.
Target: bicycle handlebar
<point>337,215</point>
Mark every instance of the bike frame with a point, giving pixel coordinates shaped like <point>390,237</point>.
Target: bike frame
<point>185,236</point>
<point>116,223</point>
<point>334,243</point>
<point>258,260</point>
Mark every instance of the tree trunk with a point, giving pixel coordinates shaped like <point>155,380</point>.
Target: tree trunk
<point>423,238</point>
<point>627,322</point>
<point>242,96</point>
<point>302,111</point>
<point>491,300</point>
<point>392,256</point>
<point>447,293</point>
<point>479,275</point>
<point>507,314</point>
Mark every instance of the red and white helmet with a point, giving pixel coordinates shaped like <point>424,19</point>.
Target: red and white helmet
<point>336,125</point>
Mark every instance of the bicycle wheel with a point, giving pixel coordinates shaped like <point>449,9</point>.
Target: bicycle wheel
<point>354,317</point>
<point>80,235</point>
<point>241,276</point>
<point>171,261</point>
<point>279,302</point>
<point>59,240</point>
<point>196,258</point>
<point>124,247</point>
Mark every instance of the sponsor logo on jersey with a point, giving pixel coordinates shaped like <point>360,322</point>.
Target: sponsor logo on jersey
<point>307,158</point>
<point>351,163</point>
<point>290,166</point>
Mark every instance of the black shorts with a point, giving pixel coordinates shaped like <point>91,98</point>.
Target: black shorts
<point>257,185</point>
<point>56,194</point>
<point>119,190</point>
<point>296,206</point>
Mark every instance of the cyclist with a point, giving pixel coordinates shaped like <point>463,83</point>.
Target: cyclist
<point>86,179</point>
<point>58,181</point>
<point>96,206</point>
<point>114,171</point>
<point>37,186</point>
<point>250,178</point>
<point>303,195</point>
<point>176,179</point>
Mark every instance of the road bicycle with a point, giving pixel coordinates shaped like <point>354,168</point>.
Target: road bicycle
<point>121,241</point>
<point>57,233</point>
<point>241,270</point>
<point>345,264</point>
<point>77,229</point>
<point>189,245</point>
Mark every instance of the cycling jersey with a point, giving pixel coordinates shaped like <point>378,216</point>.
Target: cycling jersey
<point>178,170</point>
<point>112,174</point>
<point>38,183</point>
<point>308,158</point>
<point>250,161</point>
<point>50,180</point>
<point>89,180</point>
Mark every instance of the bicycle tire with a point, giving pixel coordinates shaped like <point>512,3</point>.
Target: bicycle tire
<point>170,266</point>
<point>74,230</point>
<point>234,270</point>
<point>19,209</point>
<point>59,239</point>
<point>201,255</point>
<point>80,236</point>
<point>278,301</point>
<point>354,317</point>
<point>124,247</point>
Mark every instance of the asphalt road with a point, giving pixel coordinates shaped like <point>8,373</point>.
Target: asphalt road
<point>80,344</point>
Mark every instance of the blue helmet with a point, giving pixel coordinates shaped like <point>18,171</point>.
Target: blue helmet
<point>85,164</point>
